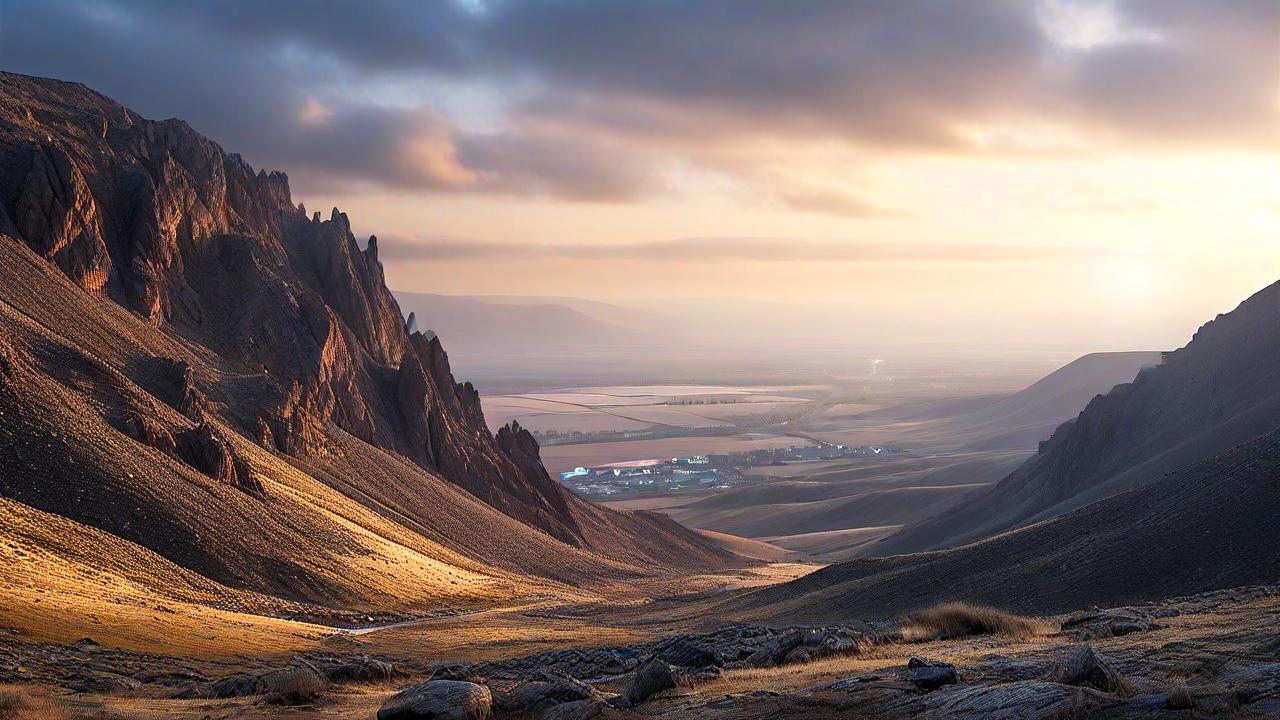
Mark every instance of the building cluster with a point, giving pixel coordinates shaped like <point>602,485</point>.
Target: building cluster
<point>697,472</point>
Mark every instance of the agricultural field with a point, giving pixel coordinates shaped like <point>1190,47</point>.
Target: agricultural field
<point>614,409</point>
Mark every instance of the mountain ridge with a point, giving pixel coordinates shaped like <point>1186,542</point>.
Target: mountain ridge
<point>162,302</point>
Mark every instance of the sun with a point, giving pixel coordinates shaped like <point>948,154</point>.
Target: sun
<point>1128,279</point>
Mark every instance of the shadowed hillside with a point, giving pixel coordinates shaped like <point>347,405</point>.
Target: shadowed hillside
<point>1220,390</point>
<point>1207,526</point>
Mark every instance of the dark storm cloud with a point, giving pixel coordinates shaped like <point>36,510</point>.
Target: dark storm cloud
<point>230,86</point>
<point>712,249</point>
<point>595,92</point>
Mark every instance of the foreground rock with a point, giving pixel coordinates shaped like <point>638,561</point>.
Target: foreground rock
<point>1219,658</point>
<point>546,692</point>
<point>361,669</point>
<point>652,678</point>
<point>1096,624</point>
<point>294,685</point>
<point>238,685</point>
<point>439,700</point>
<point>931,674</point>
<point>1086,668</point>
<point>1027,700</point>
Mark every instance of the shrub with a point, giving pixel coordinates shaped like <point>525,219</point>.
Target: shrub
<point>957,620</point>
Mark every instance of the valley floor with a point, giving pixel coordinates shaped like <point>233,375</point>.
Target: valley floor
<point>1212,655</point>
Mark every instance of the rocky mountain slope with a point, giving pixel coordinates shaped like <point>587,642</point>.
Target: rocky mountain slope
<point>1220,390</point>
<point>193,364</point>
<point>1210,525</point>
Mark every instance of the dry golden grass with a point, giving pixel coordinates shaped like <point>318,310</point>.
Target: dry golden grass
<point>959,620</point>
<point>23,704</point>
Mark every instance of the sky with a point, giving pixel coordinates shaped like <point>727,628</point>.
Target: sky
<point>1093,174</point>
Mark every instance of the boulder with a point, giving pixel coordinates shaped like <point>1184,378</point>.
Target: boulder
<point>798,656</point>
<point>653,677</point>
<point>929,675</point>
<point>361,669</point>
<point>775,652</point>
<point>439,700</point>
<point>238,685</point>
<point>1087,668</point>
<point>1023,700</point>
<point>294,685</point>
<point>205,449</point>
<point>1106,623</point>
<point>544,693</point>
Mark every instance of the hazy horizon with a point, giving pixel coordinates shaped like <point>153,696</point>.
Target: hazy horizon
<point>844,327</point>
<point>1057,174</point>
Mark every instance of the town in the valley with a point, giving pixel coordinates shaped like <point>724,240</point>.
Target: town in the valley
<point>701,472</point>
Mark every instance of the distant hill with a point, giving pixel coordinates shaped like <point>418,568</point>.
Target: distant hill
<point>1208,526</point>
<point>1030,415</point>
<point>1021,419</point>
<point>622,316</point>
<point>1064,392</point>
<point>1220,390</point>
<point>470,324</point>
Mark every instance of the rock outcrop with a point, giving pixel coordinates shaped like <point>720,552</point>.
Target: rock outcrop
<point>651,678</point>
<point>439,700</point>
<point>206,450</point>
<point>1087,668</point>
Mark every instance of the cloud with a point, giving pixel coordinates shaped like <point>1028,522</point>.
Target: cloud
<point>1212,78</point>
<point>719,249</point>
<point>591,100</point>
<point>834,202</point>
<point>1094,200</point>
<point>558,165</point>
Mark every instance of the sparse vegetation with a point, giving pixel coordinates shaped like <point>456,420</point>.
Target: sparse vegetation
<point>958,620</point>
<point>19,704</point>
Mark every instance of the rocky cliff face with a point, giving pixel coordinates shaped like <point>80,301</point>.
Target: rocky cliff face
<point>302,334</point>
<point>1221,390</point>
